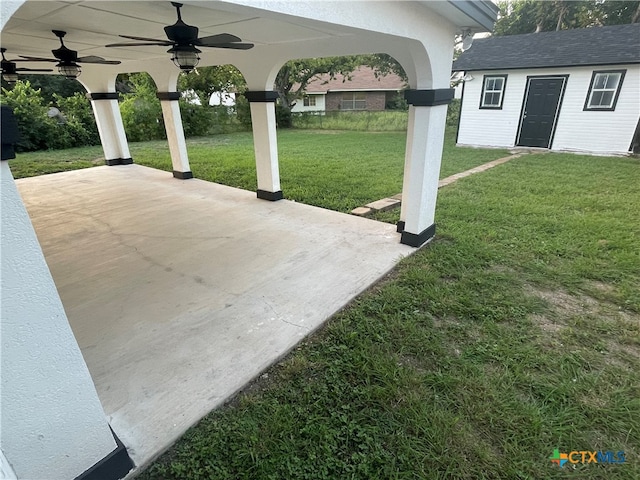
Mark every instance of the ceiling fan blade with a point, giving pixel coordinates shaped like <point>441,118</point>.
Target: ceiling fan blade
<point>139,44</point>
<point>234,46</point>
<point>220,38</point>
<point>34,59</point>
<point>33,70</point>
<point>94,59</point>
<point>104,62</point>
<point>146,39</point>
<point>91,58</point>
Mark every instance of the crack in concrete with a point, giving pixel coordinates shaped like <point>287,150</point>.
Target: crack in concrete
<point>275,312</point>
<point>122,242</point>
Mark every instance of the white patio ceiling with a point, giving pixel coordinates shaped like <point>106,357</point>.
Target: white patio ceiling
<point>91,24</point>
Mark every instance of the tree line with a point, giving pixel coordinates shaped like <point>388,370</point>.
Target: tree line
<point>34,96</point>
<point>530,16</point>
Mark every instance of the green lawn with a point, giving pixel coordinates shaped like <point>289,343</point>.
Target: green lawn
<point>339,170</point>
<point>514,333</point>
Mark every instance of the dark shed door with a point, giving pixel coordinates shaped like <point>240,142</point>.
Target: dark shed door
<point>540,112</point>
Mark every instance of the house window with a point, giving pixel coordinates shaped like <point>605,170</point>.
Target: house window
<point>309,101</point>
<point>493,91</point>
<point>353,101</point>
<point>604,90</point>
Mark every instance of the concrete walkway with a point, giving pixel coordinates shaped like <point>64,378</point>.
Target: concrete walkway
<point>481,168</point>
<point>394,202</point>
<point>181,292</point>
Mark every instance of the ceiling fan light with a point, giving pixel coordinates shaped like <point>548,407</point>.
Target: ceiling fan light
<point>185,59</point>
<point>70,71</point>
<point>10,77</point>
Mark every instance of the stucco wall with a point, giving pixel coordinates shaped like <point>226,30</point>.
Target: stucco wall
<point>577,130</point>
<point>6,472</point>
<point>52,424</point>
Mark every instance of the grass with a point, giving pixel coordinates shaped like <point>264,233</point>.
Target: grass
<point>388,120</point>
<point>515,332</point>
<point>331,169</point>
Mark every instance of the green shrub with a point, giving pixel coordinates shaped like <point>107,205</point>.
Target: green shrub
<point>74,128</point>
<point>243,111</point>
<point>80,119</point>
<point>31,114</point>
<point>396,102</point>
<point>453,113</point>
<point>142,117</point>
<point>225,120</point>
<point>196,119</point>
<point>284,118</point>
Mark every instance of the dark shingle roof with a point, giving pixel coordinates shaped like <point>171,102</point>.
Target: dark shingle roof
<point>612,45</point>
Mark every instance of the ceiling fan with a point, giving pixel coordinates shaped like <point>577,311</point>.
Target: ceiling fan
<point>10,70</point>
<point>68,59</point>
<point>183,40</point>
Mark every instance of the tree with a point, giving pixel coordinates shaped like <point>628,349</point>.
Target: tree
<point>529,16</point>
<point>140,109</point>
<point>39,131</point>
<point>619,13</point>
<point>294,77</point>
<point>205,81</point>
<point>50,85</point>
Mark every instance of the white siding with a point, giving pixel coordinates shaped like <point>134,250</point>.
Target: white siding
<point>489,127</point>
<point>600,132</point>
<point>319,106</point>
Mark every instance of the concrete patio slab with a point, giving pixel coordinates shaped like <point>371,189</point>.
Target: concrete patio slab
<point>181,292</point>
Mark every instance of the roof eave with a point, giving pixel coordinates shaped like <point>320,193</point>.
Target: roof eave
<point>528,67</point>
<point>485,13</point>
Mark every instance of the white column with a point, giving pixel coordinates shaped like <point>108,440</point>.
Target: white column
<point>175,134</point>
<point>110,127</point>
<point>52,424</point>
<point>265,143</point>
<point>425,140</point>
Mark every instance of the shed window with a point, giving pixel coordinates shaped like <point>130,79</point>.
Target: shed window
<point>353,101</point>
<point>604,90</point>
<point>493,91</point>
<point>309,101</point>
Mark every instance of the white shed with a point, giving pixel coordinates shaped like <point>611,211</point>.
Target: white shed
<point>572,90</point>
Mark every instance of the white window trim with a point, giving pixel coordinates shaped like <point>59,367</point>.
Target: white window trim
<point>484,92</point>
<point>614,97</point>
<point>353,101</point>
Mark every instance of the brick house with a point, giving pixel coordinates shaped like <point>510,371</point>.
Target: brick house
<point>360,91</point>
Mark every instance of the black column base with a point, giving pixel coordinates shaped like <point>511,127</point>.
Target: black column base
<point>118,161</point>
<point>417,240</point>
<point>182,175</point>
<point>112,467</point>
<point>400,226</point>
<point>271,196</point>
